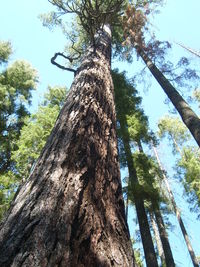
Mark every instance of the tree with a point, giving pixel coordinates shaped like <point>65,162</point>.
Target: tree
<point>157,238</point>
<point>16,84</point>
<point>177,212</point>
<point>70,212</point>
<point>188,163</point>
<point>124,93</point>
<point>134,23</point>
<point>151,170</point>
<point>36,130</point>
<point>133,127</point>
<point>196,53</point>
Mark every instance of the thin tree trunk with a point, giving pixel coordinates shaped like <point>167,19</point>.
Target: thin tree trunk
<point>126,207</point>
<point>176,145</point>
<point>163,236</point>
<point>157,238</point>
<point>161,227</point>
<point>188,116</point>
<point>70,212</point>
<point>196,53</point>
<point>149,251</point>
<point>178,214</point>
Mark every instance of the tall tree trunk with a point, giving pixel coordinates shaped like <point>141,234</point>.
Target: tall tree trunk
<point>163,236</point>
<point>178,214</point>
<point>161,226</point>
<point>188,116</point>
<point>157,238</point>
<point>70,212</point>
<point>149,251</point>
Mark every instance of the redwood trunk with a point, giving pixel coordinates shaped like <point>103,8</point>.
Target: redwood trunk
<point>70,212</point>
<point>188,116</point>
<point>149,251</point>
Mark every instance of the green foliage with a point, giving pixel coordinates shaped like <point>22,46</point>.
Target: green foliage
<point>86,19</point>
<point>149,177</point>
<point>37,129</point>
<point>5,51</point>
<point>188,164</point>
<point>8,184</point>
<point>196,95</point>
<point>128,110</point>
<point>16,84</point>
<point>133,127</point>
<point>175,130</point>
<point>29,143</point>
<point>189,170</point>
<point>137,254</point>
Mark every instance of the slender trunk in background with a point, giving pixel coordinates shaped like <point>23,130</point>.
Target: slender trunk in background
<point>163,236</point>
<point>161,226</point>
<point>196,53</point>
<point>157,238</point>
<point>189,117</point>
<point>177,212</point>
<point>176,145</point>
<point>126,212</point>
<point>149,251</point>
<point>70,212</point>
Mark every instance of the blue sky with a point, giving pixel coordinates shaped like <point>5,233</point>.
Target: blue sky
<point>178,21</point>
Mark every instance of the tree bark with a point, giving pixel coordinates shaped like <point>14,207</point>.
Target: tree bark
<point>163,236</point>
<point>157,238</point>
<point>149,251</point>
<point>70,212</point>
<point>169,260</point>
<point>178,214</point>
<point>188,116</point>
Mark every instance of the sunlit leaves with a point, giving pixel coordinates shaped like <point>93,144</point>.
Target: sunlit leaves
<point>37,129</point>
<point>5,51</point>
<point>174,129</point>
<point>16,84</point>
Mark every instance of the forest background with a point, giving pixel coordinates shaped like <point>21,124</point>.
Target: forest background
<point>178,21</point>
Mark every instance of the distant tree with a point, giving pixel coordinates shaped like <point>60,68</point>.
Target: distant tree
<point>36,130</point>
<point>177,212</point>
<point>17,81</point>
<point>133,127</point>
<point>157,238</point>
<point>128,115</point>
<point>135,24</point>
<point>188,156</point>
<point>194,52</point>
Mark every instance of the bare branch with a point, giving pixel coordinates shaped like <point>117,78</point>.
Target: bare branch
<point>61,66</point>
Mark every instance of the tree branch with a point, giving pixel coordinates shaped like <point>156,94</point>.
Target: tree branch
<point>61,66</point>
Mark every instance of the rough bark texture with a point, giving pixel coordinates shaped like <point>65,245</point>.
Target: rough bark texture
<point>70,212</point>
<point>163,236</point>
<point>178,214</point>
<point>149,251</point>
<point>188,116</point>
